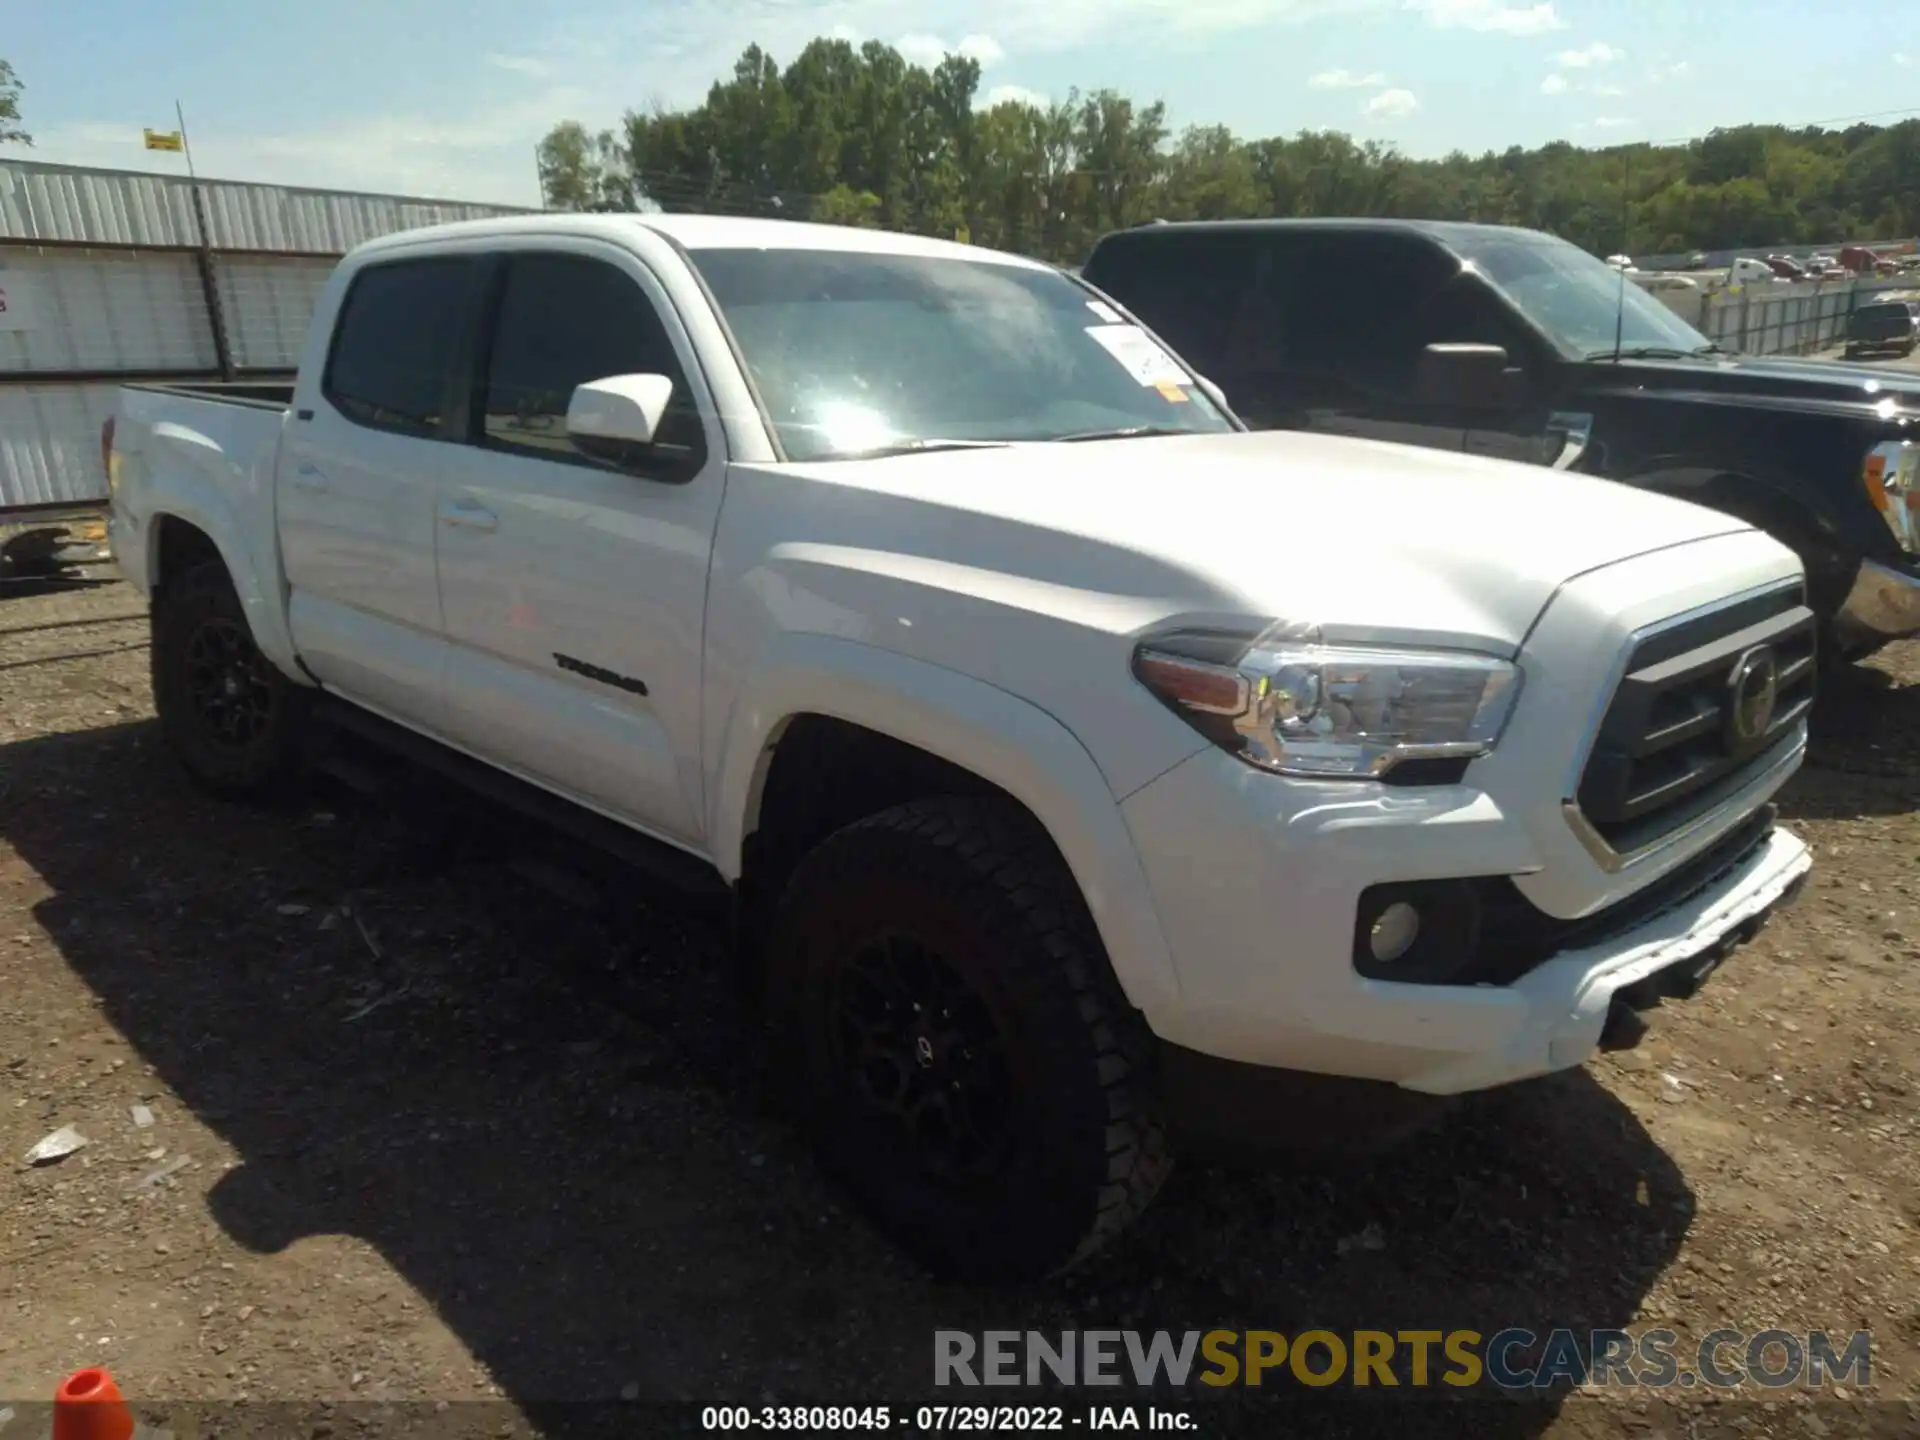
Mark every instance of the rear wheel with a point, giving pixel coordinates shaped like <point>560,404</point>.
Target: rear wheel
<point>956,1042</point>
<point>229,716</point>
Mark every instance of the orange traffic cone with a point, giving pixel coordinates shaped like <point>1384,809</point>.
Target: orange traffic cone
<point>87,1406</point>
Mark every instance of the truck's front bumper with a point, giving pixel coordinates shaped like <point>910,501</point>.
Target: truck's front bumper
<point>1883,605</point>
<point>1259,882</point>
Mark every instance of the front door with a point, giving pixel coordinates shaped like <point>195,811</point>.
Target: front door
<point>574,590</point>
<point>1346,338</point>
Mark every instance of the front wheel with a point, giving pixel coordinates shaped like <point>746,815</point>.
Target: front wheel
<point>229,716</point>
<point>956,1044</point>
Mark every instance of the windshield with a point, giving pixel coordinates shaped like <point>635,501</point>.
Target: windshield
<point>1576,298</point>
<point>856,352</point>
<point>1882,320</point>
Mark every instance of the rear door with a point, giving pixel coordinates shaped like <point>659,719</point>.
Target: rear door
<point>358,477</point>
<point>575,590</point>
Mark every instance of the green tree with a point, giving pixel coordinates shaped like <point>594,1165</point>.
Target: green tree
<point>860,136</point>
<point>10,88</point>
<point>579,171</point>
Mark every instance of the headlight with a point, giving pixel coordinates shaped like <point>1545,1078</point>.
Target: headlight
<point>1892,474</point>
<point>1292,704</point>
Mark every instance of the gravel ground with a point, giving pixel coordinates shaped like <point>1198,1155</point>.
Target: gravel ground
<point>428,1124</point>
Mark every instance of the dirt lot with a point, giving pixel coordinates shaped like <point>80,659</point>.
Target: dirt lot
<point>425,1129</point>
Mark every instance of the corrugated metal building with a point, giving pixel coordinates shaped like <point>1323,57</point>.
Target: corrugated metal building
<point>110,275</point>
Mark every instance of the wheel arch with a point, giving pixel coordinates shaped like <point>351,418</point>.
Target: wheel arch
<point>182,536</point>
<point>832,730</point>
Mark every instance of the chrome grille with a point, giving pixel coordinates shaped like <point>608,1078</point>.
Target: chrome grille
<point>1674,739</point>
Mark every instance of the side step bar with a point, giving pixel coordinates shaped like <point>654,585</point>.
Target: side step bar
<point>661,861</point>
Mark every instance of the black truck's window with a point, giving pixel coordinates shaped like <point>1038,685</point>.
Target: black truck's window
<point>1187,288</point>
<point>1359,307</point>
<point>393,347</point>
<point>564,320</point>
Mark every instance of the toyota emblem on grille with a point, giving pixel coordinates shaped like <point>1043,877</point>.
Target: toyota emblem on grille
<point>1754,694</point>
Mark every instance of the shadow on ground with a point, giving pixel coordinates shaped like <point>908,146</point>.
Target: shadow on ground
<point>1863,753</point>
<point>546,1120</point>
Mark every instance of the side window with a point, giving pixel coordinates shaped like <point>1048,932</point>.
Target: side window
<point>1467,312</point>
<point>565,320</point>
<point>391,362</point>
<point>1357,308</point>
<point>1188,289</point>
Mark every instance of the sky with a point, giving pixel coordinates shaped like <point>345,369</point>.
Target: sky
<point>448,98</point>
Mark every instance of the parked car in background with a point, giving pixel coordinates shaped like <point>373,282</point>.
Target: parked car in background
<point>1748,271</point>
<point>1786,267</point>
<point>1859,260</point>
<point>917,596</point>
<point>1499,341</point>
<point>1887,326</point>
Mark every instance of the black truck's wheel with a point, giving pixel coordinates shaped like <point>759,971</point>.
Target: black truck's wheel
<point>957,1045</point>
<point>229,716</point>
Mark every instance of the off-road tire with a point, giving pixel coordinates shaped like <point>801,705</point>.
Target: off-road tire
<point>975,882</point>
<point>193,617</point>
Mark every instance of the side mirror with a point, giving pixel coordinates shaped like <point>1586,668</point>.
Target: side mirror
<point>606,416</point>
<point>1469,377</point>
<point>1213,392</point>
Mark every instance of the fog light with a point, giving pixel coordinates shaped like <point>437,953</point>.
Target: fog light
<point>1394,932</point>
<point>1418,932</point>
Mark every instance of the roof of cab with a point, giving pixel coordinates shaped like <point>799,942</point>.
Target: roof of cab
<point>702,232</point>
<point>1445,231</point>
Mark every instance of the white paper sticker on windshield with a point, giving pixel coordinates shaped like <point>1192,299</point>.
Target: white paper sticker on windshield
<point>1105,312</point>
<point>1144,360</point>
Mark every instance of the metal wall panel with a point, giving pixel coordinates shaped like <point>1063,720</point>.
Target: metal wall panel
<point>266,302</point>
<point>107,310</point>
<point>50,443</point>
<point>117,207</point>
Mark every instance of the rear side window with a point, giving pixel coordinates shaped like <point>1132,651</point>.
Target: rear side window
<point>565,320</point>
<point>394,345</point>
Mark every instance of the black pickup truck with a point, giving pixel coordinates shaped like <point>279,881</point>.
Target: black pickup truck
<point>1516,344</point>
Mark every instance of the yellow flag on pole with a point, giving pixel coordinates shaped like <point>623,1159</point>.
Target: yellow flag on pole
<point>165,140</point>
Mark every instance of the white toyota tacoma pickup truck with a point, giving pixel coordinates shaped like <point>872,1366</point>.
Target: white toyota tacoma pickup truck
<point>1087,770</point>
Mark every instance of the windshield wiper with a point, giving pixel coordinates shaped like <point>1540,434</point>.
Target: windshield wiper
<point>919,447</point>
<point>1125,432</point>
<point>1643,352</point>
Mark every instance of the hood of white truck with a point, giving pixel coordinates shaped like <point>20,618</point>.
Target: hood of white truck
<point>1370,541</point>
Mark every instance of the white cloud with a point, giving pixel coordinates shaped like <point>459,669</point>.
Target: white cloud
<point>1490,15</point>
<point>1598,53</point>
<point>930,50</point>
<point>1610,122</point>
<point>1016,94</point>
<point>1606,92</point>
<point>1391,105</point>
<point>529,65</point>
<point>1554,85</point>
<point>1902,59</point>
<point>1346,80</point>
<point>486,157</point>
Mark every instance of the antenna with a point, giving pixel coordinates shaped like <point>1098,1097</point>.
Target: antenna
<point>1626,236</point>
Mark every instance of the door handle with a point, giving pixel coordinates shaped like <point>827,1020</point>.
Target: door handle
<point>466,515</point>
<point>309,477</point>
